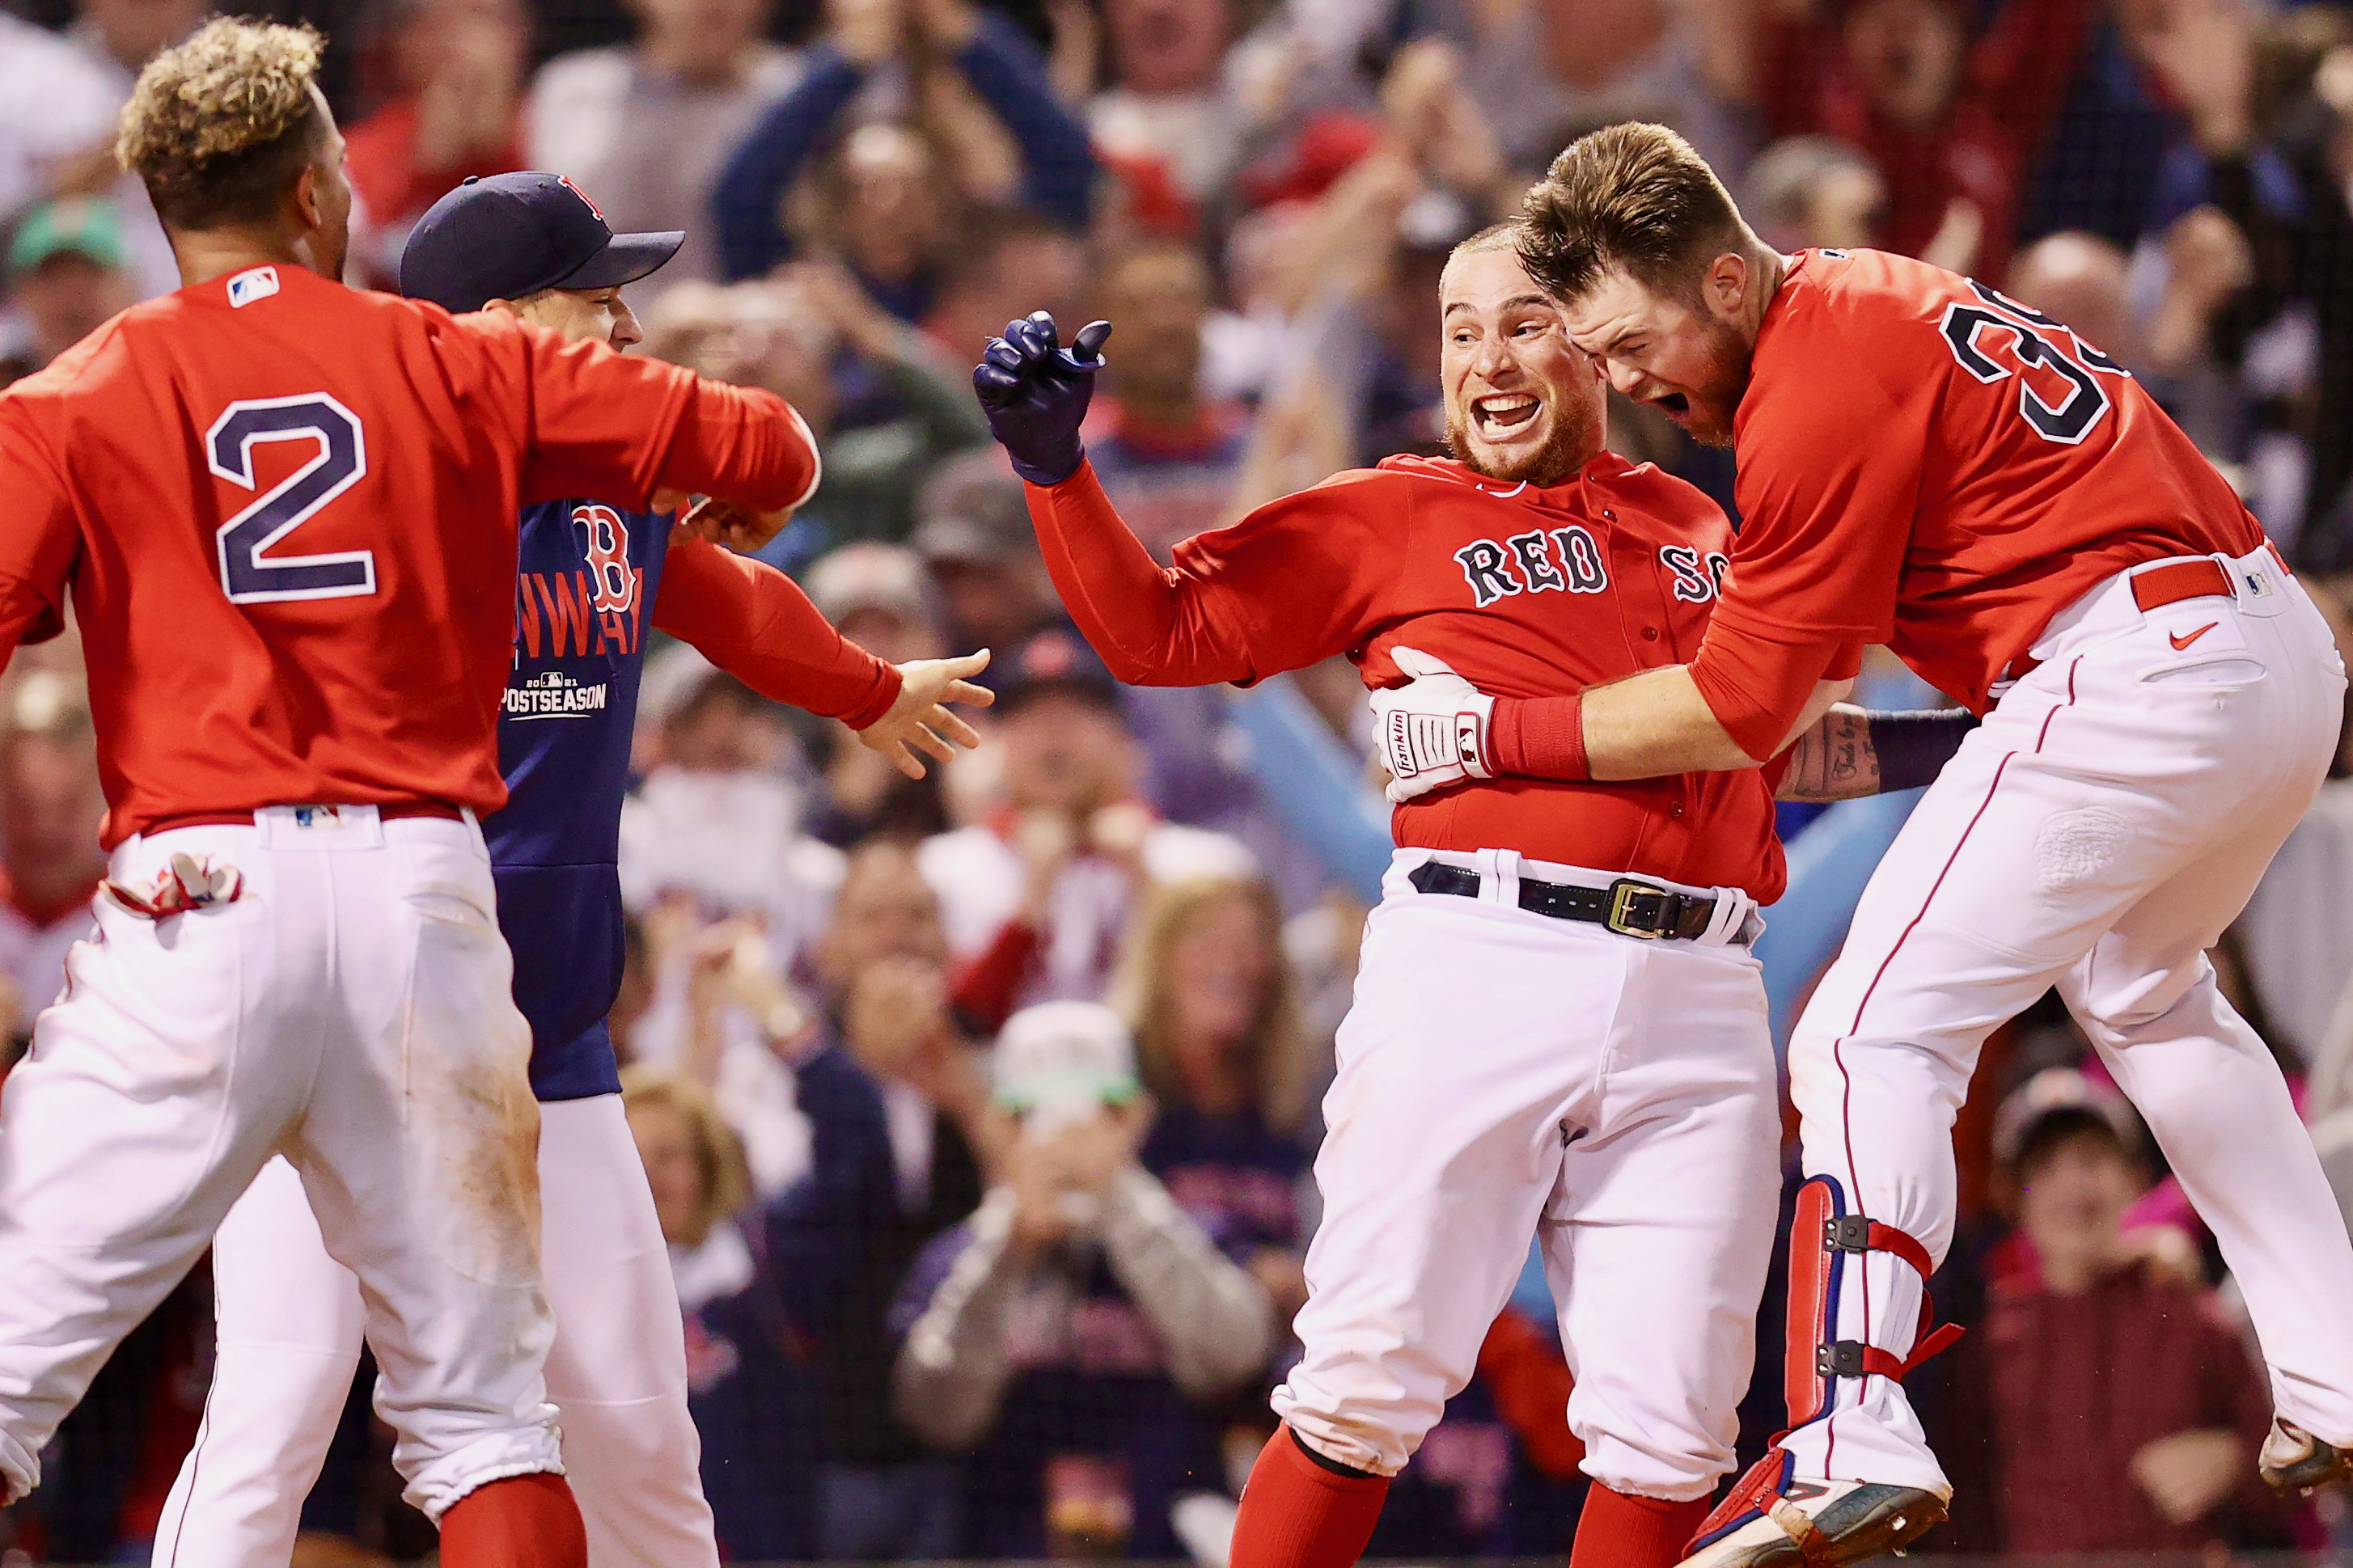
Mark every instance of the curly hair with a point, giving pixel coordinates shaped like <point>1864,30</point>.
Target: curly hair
<point>219,127</point>
<point>1633,198</point>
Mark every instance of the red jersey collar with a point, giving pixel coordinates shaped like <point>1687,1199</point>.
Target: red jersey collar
<point>1605,468</point>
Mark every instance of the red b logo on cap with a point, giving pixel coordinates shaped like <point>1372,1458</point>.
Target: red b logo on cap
<point>565,181</point>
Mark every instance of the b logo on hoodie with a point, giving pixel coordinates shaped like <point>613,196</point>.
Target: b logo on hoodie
<point>612,581</point>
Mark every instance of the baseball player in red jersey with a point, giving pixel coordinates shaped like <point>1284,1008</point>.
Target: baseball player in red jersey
<point>290,1319</point>
<point>286,515</point>
<point>1927,463</point>
<point>1558,1029</point>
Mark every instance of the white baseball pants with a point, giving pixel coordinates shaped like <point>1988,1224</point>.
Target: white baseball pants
<point>1504,1074</point>
<point>351,1010</point>
<point>290,1321</point>
<point>2096,833</point>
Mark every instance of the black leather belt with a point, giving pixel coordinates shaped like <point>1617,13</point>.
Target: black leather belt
<point>1627,907</point>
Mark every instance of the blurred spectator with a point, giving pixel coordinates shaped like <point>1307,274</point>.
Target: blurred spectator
<point>1814,190</point>
<point>2267,149</point>
<point>66,277</point>
<point>1210,1001</point>
<point>749,1391</point>
<point>1170,115</point>
<point>896,1103</point>
<point>716,818</point>
<point>648,125</point>
<point>116,37</point>
<point>884,406</point>
<point>1077,1333</point>
<point>51,807</point>
<point>1547,70</point>
<point>1035,898</point>
<point>876,595</point>
<point>977,544</point>
<point>455,112</point>
<point>1006,263</point>
<point>57,117</point>
<point>888,196</point>
<point>744,1028</point>
<point>1950,122</point>
<point>2105,1404</point>
<point>1167,458</point>
<point>879,595</point>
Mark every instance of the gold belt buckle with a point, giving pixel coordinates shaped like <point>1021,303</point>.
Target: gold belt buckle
<point>1622,894</point>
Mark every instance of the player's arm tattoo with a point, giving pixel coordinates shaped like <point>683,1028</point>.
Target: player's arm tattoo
<point>1854,752</point>
<point>1834,759</point>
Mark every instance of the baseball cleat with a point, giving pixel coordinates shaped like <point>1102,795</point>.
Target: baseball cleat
<point>2294,1460</point>
<point>1774,1520</point>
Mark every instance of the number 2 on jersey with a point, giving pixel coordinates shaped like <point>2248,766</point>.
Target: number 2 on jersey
<point>250,577</point>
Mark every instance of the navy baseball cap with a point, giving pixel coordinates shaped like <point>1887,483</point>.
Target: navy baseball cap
<point>512,235</point>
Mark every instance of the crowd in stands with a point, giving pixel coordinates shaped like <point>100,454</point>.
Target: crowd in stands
<point>980,1112</point>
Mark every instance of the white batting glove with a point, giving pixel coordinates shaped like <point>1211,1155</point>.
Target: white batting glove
<point>1433,729</point>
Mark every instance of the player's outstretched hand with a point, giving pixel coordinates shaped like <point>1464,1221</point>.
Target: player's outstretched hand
<point>919,721</point>
<point>1035,394</point>
<point>1433,729</point>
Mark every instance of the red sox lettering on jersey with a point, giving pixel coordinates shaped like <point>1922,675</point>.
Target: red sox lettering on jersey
<point>1526,591</point>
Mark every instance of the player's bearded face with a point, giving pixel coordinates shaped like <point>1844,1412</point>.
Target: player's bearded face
<point>1522,402</point>
<point>1669,353</point>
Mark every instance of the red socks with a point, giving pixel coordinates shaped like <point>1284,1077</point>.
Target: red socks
<point>1297,1514</point>
<point>522,1522</point>
<point>1621,1531</point>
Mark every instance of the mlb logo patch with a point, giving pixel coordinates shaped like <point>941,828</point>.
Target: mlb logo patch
<point>255,283</point>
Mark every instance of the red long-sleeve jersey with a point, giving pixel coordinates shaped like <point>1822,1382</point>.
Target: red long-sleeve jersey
<point>286,512</point>
<point>754,623</point>
<point>1526,591</point>
<point>1927,464</point>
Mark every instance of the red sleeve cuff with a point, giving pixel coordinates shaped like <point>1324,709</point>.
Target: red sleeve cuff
<point>1538,738</point>
<point>1846,663</point>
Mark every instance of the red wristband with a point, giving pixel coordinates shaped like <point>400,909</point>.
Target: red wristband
<point>1538,737</point>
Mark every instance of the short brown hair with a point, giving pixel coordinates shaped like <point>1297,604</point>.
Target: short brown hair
<point>1633,198</point>
<point>219,127</point>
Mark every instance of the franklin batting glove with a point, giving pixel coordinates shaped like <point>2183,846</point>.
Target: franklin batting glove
<point>1433,729</point>
<point>1035,394</point>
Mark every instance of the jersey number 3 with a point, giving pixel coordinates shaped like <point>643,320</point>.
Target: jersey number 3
<point>251,577</point>
<point>2034,339</point>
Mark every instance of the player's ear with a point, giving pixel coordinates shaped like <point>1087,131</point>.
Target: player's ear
<point>310,203</point>
<point>1725,286</point>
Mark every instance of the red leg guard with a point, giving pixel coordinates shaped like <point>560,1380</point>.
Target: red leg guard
<point>1621,1531</point>
<point>522,1522</point>
<point>1297,1514</point>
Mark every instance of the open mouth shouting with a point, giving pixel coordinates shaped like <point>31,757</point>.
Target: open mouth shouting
<point>1503,416</point>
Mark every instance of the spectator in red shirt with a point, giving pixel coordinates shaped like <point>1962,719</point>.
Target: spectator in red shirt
<point>2104,1406</point>
<point>1951,123</point>
<point>1168,458</point>
<point>458,73</point>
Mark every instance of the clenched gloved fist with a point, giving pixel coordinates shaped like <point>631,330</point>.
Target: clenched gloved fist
<point>1035,394</point>
<point>1433,729</point>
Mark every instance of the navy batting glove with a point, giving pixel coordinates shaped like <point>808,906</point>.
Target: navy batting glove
<point>1035,394</point>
